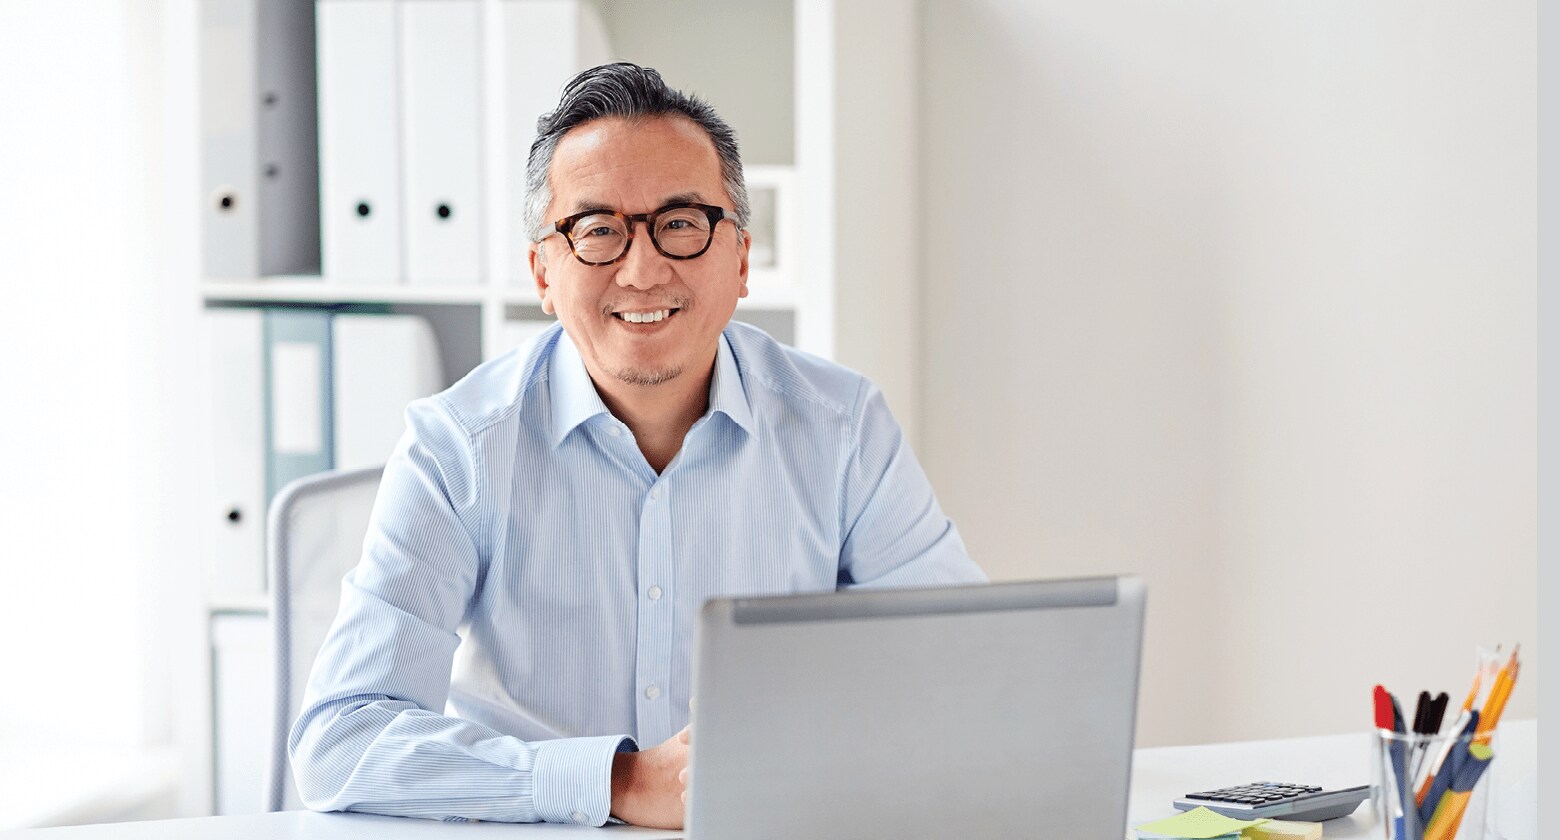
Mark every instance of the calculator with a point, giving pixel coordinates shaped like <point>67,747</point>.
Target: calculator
<point>1277,800</point>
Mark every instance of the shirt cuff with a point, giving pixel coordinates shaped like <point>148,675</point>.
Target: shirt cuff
<point>571,781</point>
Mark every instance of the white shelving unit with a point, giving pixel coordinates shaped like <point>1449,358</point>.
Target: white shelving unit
<point>260,232</point>
<point>497,304</point>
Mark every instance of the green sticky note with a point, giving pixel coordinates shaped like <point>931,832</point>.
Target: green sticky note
<point>1198,824</point>
<point>1143,835</point>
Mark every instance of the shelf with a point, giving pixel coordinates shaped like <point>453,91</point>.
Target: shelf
<point>240,604</point>
<point>314,290</point>
<point>762,297</point>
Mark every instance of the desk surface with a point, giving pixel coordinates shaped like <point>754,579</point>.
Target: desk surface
<point>1333,761</point>
<point>1158,776</point>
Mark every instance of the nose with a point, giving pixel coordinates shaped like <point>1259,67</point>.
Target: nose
<point>643,267</point>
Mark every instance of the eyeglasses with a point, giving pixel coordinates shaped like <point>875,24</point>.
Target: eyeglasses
<point>679,231</point>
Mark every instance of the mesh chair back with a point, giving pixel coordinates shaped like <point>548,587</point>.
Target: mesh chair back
<point>316,531</point>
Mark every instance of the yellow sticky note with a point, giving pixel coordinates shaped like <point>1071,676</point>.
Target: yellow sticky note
<point>1197,824</point>
<point>1283,830</point>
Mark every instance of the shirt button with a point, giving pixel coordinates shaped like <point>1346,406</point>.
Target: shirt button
<point>655,494</point>
<point>577,817</point>
<point>614,431</point>
<point>653,692</point>
<point>654,592</point>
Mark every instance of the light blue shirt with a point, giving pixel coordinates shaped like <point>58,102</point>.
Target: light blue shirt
<point>527,597</point>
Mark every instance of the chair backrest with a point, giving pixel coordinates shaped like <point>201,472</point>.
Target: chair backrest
<point>316,530</point>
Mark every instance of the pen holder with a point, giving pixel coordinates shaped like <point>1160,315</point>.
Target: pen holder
<point>1447,782</point>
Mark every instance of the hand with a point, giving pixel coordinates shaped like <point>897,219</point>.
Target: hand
<point>649,788</point>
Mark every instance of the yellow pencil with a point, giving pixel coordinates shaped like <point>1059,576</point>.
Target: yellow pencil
<point>1473,692</point>
<point>1498,697</point>
<point>1448,813</point>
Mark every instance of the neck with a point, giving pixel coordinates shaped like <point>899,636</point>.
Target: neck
<point>659,415</point>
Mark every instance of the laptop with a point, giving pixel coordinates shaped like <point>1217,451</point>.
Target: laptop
<point>1002,710</point>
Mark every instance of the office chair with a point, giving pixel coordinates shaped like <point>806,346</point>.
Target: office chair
<point>315,535</point>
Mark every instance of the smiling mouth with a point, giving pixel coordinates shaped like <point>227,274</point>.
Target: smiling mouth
<point>651,317</point>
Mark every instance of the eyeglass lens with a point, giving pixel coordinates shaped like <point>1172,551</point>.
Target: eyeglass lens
<point>679,232</point>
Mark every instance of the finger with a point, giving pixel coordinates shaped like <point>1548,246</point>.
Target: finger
<point>682,775</point>
<point>683,735</point>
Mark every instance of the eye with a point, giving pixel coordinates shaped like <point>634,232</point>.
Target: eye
<point>597,227</point>
<point>677,224</point>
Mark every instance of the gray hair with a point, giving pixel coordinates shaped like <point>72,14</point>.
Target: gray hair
<point>631,92</point>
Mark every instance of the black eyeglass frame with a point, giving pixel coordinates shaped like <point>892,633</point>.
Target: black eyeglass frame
<point>713,213</point>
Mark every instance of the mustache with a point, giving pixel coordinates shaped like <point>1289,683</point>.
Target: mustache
<point>641,304</point>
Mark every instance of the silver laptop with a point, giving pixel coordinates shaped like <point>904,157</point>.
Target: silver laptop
<point>998,711</point>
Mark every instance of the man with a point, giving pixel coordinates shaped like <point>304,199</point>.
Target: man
<point>550,525</point>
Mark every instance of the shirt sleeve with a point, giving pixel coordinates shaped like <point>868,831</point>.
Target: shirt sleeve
<point>895,533</point>
<point>371,736</point>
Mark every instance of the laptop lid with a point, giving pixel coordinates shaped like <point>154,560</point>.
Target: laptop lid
<point>1000,710</point>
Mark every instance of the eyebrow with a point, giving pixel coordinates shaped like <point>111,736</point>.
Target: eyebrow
<point>590,205</point>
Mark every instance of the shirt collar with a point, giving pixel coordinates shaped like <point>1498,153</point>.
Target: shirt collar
<point>574,397</point>
<point>727,394</point>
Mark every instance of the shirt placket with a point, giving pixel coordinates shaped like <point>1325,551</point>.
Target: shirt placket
<point>653,660</point>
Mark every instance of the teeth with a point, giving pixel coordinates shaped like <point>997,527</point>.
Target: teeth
<point>644,317</point>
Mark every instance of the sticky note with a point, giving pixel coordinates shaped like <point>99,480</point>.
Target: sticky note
<point>1284,830</point>
<point>1198,824</point>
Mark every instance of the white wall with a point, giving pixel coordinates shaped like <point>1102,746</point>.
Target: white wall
<point>72,614</point>
<point>1549,347</point>
<point>1240,296</point>
<point>95,340</point>
<point>737,57</point>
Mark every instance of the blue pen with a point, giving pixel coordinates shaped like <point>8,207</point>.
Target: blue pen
<point>1389,719</point>
<point>1400,767</point>
<point>1449,768</point>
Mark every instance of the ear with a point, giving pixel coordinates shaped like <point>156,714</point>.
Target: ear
<point>538,261</point>
<point>744,244</point>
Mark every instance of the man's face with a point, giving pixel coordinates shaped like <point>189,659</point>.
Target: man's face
<point>640,167</point>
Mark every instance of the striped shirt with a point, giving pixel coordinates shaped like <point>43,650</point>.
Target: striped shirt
<point>529,586</point>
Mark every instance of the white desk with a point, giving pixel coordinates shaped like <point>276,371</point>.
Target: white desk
<point>1158,776</point>
<point>1334,761</point>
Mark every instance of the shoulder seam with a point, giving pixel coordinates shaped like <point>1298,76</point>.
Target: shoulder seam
<point>476,472</point>
<point>810,395</point>
<point>849,455</point>
<point>492,418</point>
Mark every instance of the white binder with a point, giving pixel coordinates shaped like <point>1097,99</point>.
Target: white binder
<point>359,136</point>
<point>379,364</point>
<point>230,224</point>
<point>236,513</point>
<point>545,43</point>
<point>258,148</point>
<point>441,94</point>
